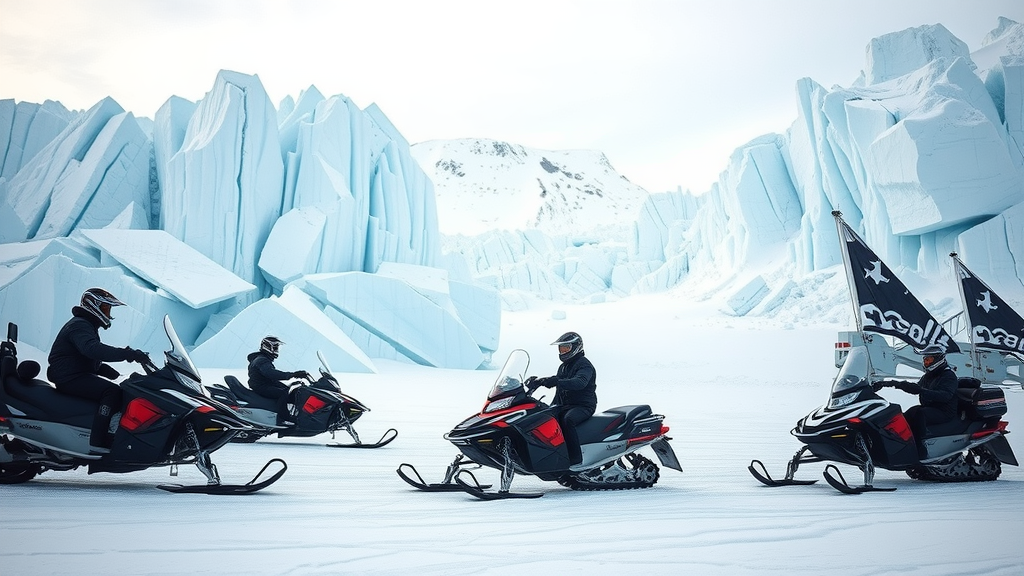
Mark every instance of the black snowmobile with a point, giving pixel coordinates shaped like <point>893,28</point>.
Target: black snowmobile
<point>860,428</point>
<point>166,419</point>
<point>515,432</point>
<point>319,407</point>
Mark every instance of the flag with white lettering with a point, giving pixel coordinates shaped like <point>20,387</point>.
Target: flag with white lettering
<point>883,303</point>
<point>994,324</point>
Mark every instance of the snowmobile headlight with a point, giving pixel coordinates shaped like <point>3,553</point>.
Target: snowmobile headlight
<point>499,404</point>
<point>843,400</point>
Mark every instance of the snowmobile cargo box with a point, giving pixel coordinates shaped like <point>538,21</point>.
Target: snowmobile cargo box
<point>981,401</point>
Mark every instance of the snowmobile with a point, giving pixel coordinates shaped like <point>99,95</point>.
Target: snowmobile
<point>517,433</point>
<point>860,428</point>
<point>318,407</point>
<point>166,419</point>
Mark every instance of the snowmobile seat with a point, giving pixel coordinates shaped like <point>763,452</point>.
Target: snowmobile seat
<point>602,424</point>
<point>44,402</point>
<point>245,394</point>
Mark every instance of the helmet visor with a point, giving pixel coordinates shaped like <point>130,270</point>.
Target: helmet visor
<point>564,348</point>
<point>929,360</point>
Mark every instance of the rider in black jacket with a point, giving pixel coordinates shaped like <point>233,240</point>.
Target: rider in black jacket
<point>77,361</point>
<point>936,391</point>
<point>268,381</point>
<point>575,386</point>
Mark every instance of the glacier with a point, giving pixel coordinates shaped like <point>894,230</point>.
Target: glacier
<point>317,210</point>
<point>922,153</point>
<point>218,206</point>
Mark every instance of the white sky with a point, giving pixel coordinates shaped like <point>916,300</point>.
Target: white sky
<point>667,89</point>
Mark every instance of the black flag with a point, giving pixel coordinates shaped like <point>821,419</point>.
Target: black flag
<point>994,324</point>
<point>883,304</point>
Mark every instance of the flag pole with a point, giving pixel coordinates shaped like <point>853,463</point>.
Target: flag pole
<point>959,269</point>
<point>854,299</point>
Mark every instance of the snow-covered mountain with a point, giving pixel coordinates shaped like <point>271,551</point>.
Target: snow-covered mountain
<point>482,185</point>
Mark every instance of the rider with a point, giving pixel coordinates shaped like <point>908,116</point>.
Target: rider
<point>575,386</point>
<point>77,362</point>
<point>267,381</point>
<point>936,390</point>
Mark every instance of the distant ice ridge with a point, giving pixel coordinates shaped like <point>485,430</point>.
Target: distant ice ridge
<point>216,212</point>
<point>923,154</point>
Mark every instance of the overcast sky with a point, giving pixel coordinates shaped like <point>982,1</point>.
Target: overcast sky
<point>666,89</point>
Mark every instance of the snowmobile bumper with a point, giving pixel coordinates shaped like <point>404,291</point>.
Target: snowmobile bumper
<point>665,453</point>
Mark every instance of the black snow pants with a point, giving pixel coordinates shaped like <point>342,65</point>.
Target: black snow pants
<point>570,417</point>
<point>93,387</point>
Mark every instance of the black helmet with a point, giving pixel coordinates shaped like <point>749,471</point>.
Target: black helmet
<point>933,357</point>
<point>270,344</point>
<point>98,302</point>
<point>569,345</point>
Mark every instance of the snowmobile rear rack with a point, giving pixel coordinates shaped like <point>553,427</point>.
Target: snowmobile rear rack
<point>250,487</point>
<point>386,439</point>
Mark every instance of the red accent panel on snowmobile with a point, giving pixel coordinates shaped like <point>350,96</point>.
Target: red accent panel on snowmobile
<point>140,414</point>
<point>549,432</point>
<point>900,427</point>
<point>313,404</point>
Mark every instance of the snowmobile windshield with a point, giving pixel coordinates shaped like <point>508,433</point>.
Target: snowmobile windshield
<point>178,362</point>
<point>512,374</point>
<point>854,372</point>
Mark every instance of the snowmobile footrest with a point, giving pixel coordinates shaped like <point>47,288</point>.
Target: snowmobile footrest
<point>419,484</point>
<point>229,489</point>
<point>757,470</point>
<point>835,479</point>
<point>386,439</point>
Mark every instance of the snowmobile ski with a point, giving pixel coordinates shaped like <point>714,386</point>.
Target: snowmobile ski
<point>386,439</point>
<point>839,483</point>
<point>480,492</point>
<point>229,489</point>
<point>758,470</point>
<point>446,486</point>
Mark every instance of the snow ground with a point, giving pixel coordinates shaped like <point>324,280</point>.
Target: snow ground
<point>731,389</point>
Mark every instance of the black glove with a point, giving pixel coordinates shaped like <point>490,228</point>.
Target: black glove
<point>302,374</point>
<point>135,355</point>
<point>531,384</point>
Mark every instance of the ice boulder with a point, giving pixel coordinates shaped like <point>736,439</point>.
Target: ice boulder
<point>398,314</point>
<point>948,148</point>
<point>170,264</point>
<point>294,246</point>
<point>750,295</point>
<point>296,319</point>
<point>56,283</point>
<point>899,53</point>
<point>84,177</point>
